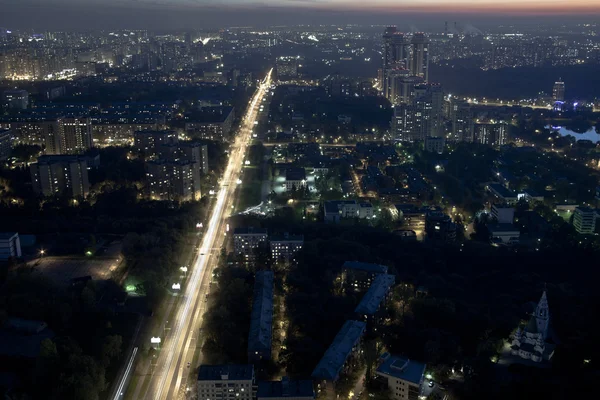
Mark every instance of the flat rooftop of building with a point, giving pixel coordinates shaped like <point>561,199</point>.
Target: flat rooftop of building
<point>250,231</point>
<point>401,368</point>
<point>585,209</point>
<point>287,238</point>
<point>295,174</point>
<point>233,372</point>
<point>261,318</point>
<point>285,388</point>
<point>499,228</point>
<point>56,158</point>
<point>333,206</point>
<point>336,355</point>
<point>368,267</point>
<point>501,190</point>
<point>7,235</point>
<point>379,288</point>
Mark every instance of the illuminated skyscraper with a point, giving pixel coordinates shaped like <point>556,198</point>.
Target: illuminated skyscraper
<point>421,117</point>
<point>395,56</point>
<point>419,65</point>
<point>461,116</point>
<point>558,90</point>
<point>69,135</point>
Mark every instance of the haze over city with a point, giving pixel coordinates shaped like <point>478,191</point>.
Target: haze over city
<point>172,14</point>
<point>299,199</point>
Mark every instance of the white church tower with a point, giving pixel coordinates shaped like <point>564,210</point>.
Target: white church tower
<point>542,316</point>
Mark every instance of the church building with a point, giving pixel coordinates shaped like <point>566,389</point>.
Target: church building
<point>530,342</point>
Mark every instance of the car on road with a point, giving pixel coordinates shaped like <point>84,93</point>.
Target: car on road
<point>431,384</point>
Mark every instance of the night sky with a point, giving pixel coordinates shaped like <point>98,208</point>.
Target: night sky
<point>195,14</point>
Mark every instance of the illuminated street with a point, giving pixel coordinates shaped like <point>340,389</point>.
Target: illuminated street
<point>169,379</point>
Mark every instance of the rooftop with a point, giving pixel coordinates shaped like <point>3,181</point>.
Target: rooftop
<point>368,267</point>
<point>7,235</point>
<point>497,228</point>
<point>295,174</point>
<point>501,190</point>
<point>261,318</point>
<point>336,355</point>
<point>250,231</point>
<point>333,206</point>
<point>401,368</point>
<point>286,237</point>
<point>61,158</point>
<point>375,295</point>
<point>226,372</point>
<point>285,388</point>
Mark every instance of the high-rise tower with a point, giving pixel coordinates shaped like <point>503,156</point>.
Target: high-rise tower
<point>396,54</point>
<point>558,90</point>
<point>419,65</point>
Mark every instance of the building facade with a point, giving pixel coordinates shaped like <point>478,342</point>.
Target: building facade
<point>16,99</point>
<point>584,220</point>
<point>10,246</point>
<point>530,342</point>
<point>403,376</point>
<point>285,247</point>
<point>5,143</point>
<point>60,174</point>
<point>226,382</point>
<point>177,180</point>
<point>247,240</point>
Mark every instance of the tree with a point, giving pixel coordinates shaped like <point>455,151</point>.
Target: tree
<point>111,349</point>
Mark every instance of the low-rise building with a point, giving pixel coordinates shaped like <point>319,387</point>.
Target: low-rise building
<point>261,318</point>
<point>285,389</point>
<point>226,382</point>
<point>404,377</point>
<point>339,357</point>
<point>584,220</point>
<point>60,174</point>
<point>359,275</point>
<point>285,247</point>
<point>10,246</point>
<point>295,178</point>
<point>335,210</point>
<point>247,240</point>
<point>365,211</point>
<point>504,233</point>
<point>502,194</point>
<point>371,303</point>
<point>503,213</point>
<point>439,226</point>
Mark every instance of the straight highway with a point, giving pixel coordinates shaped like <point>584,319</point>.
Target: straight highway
<point>169,378</point>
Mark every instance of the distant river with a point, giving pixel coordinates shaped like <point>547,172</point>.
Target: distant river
<point>589,135</point>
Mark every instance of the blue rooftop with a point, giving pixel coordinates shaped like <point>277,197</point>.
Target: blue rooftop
<point>261,318</point>
<point>368,267</point>
<point>375,295</point>
<point>336,355</point>
<point>401,368</point>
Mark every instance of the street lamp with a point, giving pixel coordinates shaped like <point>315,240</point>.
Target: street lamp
<point>42,253</point>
